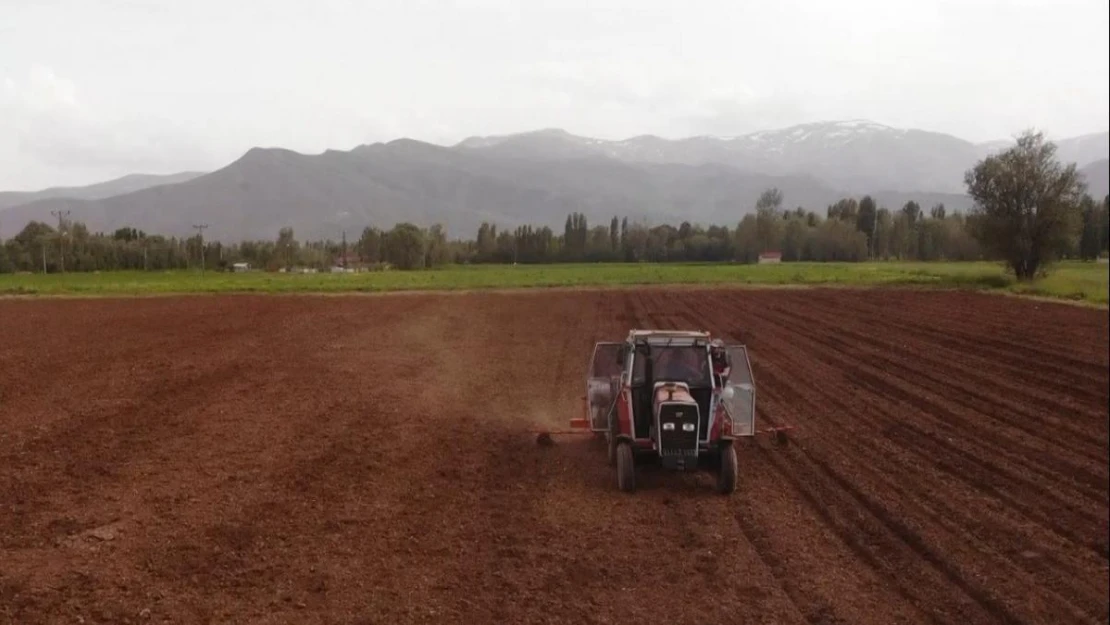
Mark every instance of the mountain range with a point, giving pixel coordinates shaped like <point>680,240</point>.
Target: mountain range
<point>858,156</point>
<point>98,191</point>
<point>538,178</point>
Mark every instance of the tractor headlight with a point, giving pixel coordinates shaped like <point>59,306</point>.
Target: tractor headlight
<point>668,426</point>
<point>687,427</point>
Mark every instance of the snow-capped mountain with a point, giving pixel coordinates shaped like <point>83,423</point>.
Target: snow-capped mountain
<point>857,155</point>
<point>538,177</point>
<point>550,142</point>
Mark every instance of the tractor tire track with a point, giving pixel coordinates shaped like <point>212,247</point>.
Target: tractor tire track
<point>1039,335</point>
<point>977,400</point>
<point>821,505</point>
<point>933,513</point>
<point>838,345</point>
<point>1074,382</point>
<point>1023,483</point>
<point>762,374</point>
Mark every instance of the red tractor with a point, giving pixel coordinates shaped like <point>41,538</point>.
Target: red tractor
<point>681,398</point>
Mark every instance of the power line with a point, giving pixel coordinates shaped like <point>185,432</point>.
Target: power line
<point>61,215</point>
<point>200,232</point>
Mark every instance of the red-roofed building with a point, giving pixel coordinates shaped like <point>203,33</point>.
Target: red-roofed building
<point>770,257</point>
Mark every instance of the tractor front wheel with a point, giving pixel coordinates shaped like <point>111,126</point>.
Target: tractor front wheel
<point>626,469</point>
<point>726,473</point>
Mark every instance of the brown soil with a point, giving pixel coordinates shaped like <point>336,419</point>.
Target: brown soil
<point>272,459</point>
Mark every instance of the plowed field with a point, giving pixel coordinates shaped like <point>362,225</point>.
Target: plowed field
<point>367,460</point>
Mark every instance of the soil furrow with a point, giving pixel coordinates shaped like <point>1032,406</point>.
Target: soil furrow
<point>911,374</point>
<point>1022,484</point>
<point>271,459</point>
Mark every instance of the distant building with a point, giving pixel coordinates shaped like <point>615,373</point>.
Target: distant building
<point>770,257</point>
<point>350,260</point>
<point>238,267</point>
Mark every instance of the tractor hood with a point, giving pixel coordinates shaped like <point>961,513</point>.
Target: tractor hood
<point>672,392</point>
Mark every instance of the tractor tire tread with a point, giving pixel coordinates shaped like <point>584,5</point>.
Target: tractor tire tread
<point>727,472</point>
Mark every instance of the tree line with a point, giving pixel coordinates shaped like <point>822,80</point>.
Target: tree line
<point>1029,211</point>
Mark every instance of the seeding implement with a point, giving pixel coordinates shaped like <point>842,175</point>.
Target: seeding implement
<point>680,398</point>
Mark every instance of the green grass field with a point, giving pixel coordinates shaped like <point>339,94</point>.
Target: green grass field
<point>1085,282</point>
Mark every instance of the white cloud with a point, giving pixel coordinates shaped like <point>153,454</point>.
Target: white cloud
<point>163,85</point>
<point>45,90</point>
<point>53,138</point>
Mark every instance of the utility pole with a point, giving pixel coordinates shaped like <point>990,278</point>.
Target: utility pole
<point>344,250</point>
<point>61,215</point>
<point>200,231</point>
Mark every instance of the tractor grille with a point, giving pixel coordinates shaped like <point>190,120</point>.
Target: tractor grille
<point>678,429</point>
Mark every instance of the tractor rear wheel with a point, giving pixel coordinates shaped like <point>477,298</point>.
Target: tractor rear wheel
<point>726,473</point>
<point>626,468</point>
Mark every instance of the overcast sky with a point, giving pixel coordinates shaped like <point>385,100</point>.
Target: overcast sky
<point>91,90</point>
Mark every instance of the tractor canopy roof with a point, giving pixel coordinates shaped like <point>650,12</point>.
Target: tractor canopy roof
<point>669,337</point>
<point>664,335</point>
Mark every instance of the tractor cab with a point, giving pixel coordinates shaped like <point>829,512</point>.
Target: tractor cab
<point>681,396</point>
<point>669,361</point>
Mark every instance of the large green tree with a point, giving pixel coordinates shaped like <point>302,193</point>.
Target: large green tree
<point>369,245</point>
<point>866,221</point>
<point>1104,225</point>
<point>1026,203</point>
<point>287,247</point>
<point>404,246</point>
<point>768,219</point>
<point>769,200</point>
<point>436,250</point>
<point>1089,243</point>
